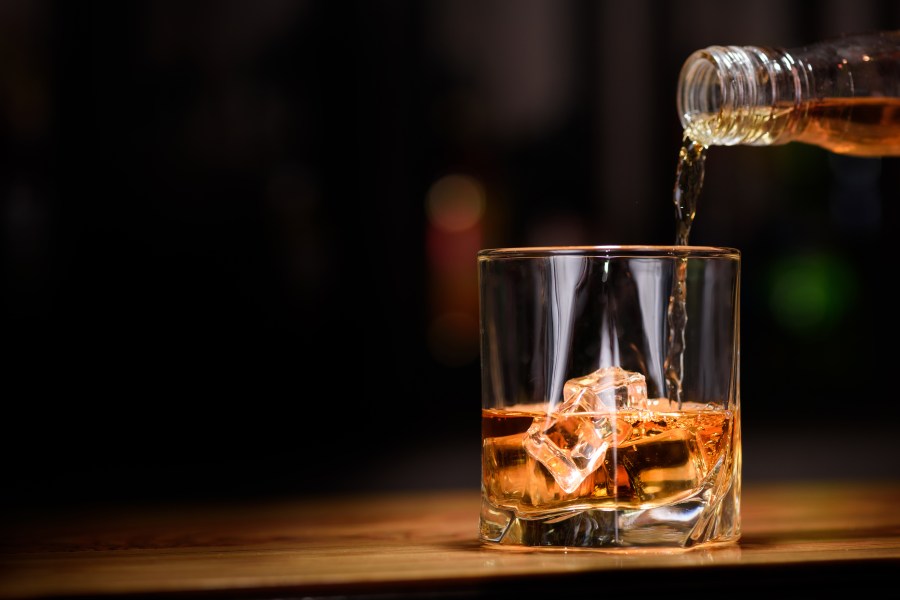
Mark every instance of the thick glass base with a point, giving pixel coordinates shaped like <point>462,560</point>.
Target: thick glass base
<point>693,522</point>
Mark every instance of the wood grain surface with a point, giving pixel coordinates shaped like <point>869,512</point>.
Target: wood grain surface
<point>827,535</point>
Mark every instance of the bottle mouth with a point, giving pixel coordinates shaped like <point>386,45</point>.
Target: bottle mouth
<point>700,96</point>
<point>725,96</point>
<point>701,88</point>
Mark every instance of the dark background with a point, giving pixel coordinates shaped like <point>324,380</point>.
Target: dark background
<point>222,279</point>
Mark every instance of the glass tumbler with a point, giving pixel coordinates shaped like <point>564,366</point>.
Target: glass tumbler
<point>610,396</point>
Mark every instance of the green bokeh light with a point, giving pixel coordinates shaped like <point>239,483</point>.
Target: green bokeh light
<point>811,293</point>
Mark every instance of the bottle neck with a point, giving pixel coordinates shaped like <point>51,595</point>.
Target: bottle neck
<point>730,95</point>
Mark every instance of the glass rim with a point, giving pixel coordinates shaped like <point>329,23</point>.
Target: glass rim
<point>613,251</point>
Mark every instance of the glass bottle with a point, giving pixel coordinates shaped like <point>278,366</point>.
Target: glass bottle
<point>842,94</point>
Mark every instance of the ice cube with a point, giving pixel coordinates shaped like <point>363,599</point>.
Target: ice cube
<point>572,442</point>
<point>604,390</point>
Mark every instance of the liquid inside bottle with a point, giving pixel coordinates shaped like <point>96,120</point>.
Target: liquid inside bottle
<point>842,95</point>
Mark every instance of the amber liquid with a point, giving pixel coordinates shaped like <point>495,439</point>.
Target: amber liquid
<point>656,458</point>
<point>854,126</point>
<point>689,175</point>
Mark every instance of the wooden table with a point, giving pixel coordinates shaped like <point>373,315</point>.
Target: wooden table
<point>811,537</point>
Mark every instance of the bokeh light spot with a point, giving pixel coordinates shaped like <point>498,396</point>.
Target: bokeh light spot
<point>455,203</point>
<point>811,293</point>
